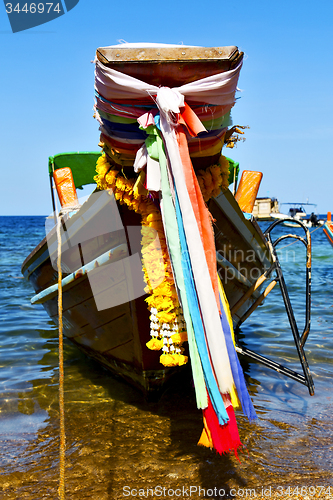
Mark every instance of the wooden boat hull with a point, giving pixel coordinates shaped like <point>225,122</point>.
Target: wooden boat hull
<point>116,336</point>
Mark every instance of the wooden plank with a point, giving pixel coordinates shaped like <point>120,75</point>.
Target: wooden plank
<point>164,54</point>
<point>171,67</point>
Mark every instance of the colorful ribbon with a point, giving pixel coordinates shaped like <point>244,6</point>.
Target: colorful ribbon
<point>170,132</point>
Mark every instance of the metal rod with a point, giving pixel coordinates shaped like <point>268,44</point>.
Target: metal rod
<point>306,330</point>
<point>294,330</point>
<point>299,342</point>
<point>235,182</point>
<point>53,200</point>
<point>285,236</point>
<point>307,243</point>
<point>272,364</point>
<point>305,379</point>
<point>281,221</point>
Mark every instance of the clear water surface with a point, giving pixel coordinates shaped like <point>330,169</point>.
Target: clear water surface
<point>116,442</point>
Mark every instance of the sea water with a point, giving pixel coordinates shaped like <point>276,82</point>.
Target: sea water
<point>117,445</point>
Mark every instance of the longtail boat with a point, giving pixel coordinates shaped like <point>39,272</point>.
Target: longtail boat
<point>328,228</point>
<point>112,323</point>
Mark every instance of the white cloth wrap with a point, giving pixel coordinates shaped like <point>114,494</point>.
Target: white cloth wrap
<point>217,89</point>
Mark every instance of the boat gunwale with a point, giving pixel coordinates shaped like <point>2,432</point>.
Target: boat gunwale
<point>52,233</point>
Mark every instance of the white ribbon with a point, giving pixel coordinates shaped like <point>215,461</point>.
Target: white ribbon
<point>169,100</point>
<point>141,158</point>
<point>153,173</point>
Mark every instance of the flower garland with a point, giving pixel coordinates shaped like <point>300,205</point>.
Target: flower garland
<point>167,325</point>
<point>214,179</point>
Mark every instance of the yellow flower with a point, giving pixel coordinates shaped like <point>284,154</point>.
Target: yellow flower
<point>216,191</point>
<point>164,289</point>
<point>179,338</point>
<point>121,183</point>
<point>127,199</point>
<point>166,317</point>
<point>216,175</point>
<point>224,164</point>
<point>155,344</point>
<point>154,216</point>
<point>168,360</point>
<point>182,360</point>
<point>173,359</point>
<point>214,178</point>
<point>110,176</point>
<point>105,173</point>
<point>163,303</point>
<point>208,180</point>
<point>119,196</point>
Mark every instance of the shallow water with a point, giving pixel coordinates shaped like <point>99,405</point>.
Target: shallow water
<point>116,442</point>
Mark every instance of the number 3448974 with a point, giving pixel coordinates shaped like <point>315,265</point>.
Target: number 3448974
<point>33,8</point>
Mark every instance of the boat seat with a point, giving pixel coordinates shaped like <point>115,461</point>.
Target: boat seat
<point>248,189</point>
<point>66,189</point>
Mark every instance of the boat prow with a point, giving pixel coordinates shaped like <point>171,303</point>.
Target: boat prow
<point>103,242</point>
<point>116,335</point>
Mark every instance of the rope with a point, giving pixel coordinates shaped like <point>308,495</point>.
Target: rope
<point>68,209</point>
<point>61,489</point>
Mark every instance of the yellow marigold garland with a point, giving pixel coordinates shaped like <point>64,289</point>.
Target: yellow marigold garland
<point>214,179</point>
<point>167,325</point>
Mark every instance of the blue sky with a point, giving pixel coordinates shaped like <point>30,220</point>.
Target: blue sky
<point>47,89</point>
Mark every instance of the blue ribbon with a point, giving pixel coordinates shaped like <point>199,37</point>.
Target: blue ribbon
<point>211,384</point>
<point>236,369</point>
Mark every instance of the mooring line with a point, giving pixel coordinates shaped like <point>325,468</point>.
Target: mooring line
<point>61,489</point>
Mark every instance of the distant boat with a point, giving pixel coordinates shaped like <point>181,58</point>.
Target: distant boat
<point>328,228</point>
<point>264,208</point>
<point>298,212</point>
